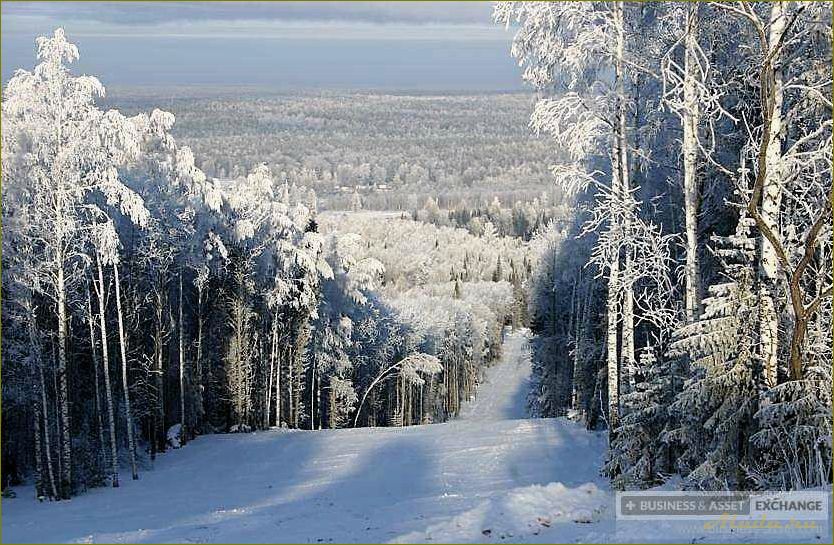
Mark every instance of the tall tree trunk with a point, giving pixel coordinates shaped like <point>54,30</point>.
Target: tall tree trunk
<point>238,392</point>
<point>94,354</point>
<point>277,370</point>
<point>269,381</point>
<point>398,414</point>
<point>577,344</point>
<point>63,397</point>
<point>291,416</point>
<point>181,350</point>
<point>690,120</point>
<point>47,442</point>
<point>40,490</point>
<point>629,362</point>
<point>57,402</point>
<point>619,186</point>
<point>611,347</point>
<point>131,440</point>
<point>159,436</point>
<point>313,396</point>
<point>43,411</point>
<point>331,410</point>
<point>105,361</point>
<point>771,203</point>
<point>420,407</point>
<point>201,388</point>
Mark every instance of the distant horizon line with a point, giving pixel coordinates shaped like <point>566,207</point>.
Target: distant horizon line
<point>146,89</point>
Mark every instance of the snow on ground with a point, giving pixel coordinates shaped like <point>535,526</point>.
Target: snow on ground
<point>490,476</point>
<point>503,395</point>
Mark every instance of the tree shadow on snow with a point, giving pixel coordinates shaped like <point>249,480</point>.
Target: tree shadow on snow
<point>313,487</point>
<point>210,480</point>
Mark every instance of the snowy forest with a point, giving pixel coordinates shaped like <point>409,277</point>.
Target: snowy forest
<point>699,145</point>
<point>648,227</point>
<point>395,150</point>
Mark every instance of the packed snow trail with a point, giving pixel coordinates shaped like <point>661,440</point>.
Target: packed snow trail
<point>489,476</point>
<point>503,396</point>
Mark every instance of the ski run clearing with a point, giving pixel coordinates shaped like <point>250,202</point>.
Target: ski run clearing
<point>490,476</point>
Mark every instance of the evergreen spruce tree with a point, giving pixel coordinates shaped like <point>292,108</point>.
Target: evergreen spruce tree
<point>715,411</point>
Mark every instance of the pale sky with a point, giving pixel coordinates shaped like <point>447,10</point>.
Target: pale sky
<point>393,45</point>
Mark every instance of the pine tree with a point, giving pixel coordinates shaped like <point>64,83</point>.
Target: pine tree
<point>714,413</point>
<point>641,457</point>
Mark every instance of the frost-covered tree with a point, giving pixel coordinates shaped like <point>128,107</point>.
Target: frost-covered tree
<point>640,457</point>
<point>409,370</point>
<point>792,145</point>
<point>224,308</point>
<point>691,92</point>
<point>63,152</point>
<point>716,406</point>
<point>580,48</point>
<point>727,118</point>
<point>344,294</point>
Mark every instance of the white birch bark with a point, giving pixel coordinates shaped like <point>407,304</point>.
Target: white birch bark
<point>277,372</point>
<point>771,202</point>
<point>689,120</point>
<point>618,180</point>
<point>44,410</point>
<point>629,362</point>
<point>94,353</point>
<point>270,378</point>
<point>63,400</point>
<point>131,441</point>
<point>183,430</point>
<point>199,360</point>
<point>105,360</point>
<point>611,346</point>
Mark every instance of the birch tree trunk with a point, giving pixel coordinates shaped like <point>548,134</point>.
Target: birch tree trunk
<point>131,441</point>
<point>36,436</point>
<point>292,416</point>
<point>199,361</point>
<point>331,409</point>
<point>619,186</point>
<point>44,410</point>
<point>771,202</point>
<point>629,362</point>
<point>183,429</point>
<point>105,360</point>
<point>690,120</point>
<point>159,438</point>
<point>94,353</point>
<point>57,416</point>
<point>47,442</point>
<point>63,400</point>
<point>611,346</point>
<point>40,491</point>
<point>277,371</point>
<point>270,379</point>
<point>313,397</point>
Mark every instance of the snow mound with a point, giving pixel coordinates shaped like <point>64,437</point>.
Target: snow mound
<point>518,514</point>
<point>240,428</point>
<point>174,436</point>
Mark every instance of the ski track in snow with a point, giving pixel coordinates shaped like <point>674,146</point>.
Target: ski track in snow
<point>489,476</point>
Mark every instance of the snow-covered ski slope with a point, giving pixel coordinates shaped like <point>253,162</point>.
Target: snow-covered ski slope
<point>489,476</point>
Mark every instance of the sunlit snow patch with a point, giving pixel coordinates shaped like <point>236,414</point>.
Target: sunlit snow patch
<point>519,513</point>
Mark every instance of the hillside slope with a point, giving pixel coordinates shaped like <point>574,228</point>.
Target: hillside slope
<point>489,476</point>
